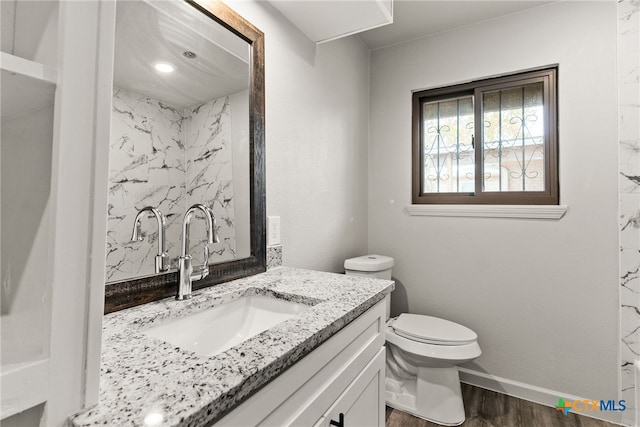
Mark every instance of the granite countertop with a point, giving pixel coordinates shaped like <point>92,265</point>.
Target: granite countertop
<point>145,381</point>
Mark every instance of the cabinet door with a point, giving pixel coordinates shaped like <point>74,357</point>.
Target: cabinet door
<point>362,403</point>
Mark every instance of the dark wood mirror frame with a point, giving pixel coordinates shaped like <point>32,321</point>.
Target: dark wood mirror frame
<point>130,293</point>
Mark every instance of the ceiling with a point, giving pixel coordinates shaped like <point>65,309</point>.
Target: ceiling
<point>149,32</point>
<point>152,32</point>
<point>413,19</point>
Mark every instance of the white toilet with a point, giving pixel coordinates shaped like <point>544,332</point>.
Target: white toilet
<point>422,355</point>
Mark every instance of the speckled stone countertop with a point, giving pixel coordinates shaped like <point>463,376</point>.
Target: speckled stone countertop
<point>145,381</point>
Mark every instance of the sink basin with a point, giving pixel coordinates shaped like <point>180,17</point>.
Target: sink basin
<point>219,328</point>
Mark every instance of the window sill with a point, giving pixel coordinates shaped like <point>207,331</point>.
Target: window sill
<point>490,211</point>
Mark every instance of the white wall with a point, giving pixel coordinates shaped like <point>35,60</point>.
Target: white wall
<point>317,110</point>
<point>542,295</point>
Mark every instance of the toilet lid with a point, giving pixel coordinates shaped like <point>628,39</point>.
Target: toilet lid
<point>432,330</point>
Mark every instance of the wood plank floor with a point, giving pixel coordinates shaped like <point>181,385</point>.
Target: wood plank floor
<point>485,408</point>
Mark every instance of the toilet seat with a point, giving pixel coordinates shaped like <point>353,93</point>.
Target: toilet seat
<point>432,330</point>
<point>446,353</point>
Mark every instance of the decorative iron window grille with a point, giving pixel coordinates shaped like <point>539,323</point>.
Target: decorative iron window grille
<point>491,141</point>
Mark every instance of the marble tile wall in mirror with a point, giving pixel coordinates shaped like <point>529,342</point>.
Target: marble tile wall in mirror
<point>171,158</point>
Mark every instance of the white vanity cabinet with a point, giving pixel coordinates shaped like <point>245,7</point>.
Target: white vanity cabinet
<point>340,383</point>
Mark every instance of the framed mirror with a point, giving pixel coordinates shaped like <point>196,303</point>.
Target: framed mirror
<point>187,127</point>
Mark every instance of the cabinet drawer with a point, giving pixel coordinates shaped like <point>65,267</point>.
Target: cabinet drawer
<point>362,403</point>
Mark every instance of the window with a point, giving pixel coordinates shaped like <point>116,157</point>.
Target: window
<point>491,141</point>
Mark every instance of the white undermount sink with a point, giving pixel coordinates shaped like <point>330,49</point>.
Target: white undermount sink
<point>221,327</point>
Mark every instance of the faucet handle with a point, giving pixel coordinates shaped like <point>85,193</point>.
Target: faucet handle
<point>199,273</point>
<point>161,262</point>
<point>206,254</point>
<point>202,271</point>
<point>216,238</point>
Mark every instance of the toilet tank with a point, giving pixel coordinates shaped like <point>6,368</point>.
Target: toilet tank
<point>378,266</point>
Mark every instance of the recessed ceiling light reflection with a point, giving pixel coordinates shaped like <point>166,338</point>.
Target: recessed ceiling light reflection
<point>153,418</point>
<point>164,67</point>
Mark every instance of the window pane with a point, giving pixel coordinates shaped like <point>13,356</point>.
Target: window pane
<point>449,164</point>
<point>513,135</point>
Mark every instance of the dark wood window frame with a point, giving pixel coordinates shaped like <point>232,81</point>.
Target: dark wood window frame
<point>550,196</point>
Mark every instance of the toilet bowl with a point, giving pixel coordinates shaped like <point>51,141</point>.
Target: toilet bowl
<point>423,354</point>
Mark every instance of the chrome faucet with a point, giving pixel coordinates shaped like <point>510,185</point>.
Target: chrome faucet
<point>137,235</point>
<point>187,273</point>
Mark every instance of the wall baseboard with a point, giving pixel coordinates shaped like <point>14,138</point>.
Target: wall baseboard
<point>531,393</point>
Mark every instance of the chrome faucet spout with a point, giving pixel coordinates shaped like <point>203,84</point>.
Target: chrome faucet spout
<point>137,234</point>
<point>187,274</point>
<point>209,224</point>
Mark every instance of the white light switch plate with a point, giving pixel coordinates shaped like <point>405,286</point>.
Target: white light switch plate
<point>273,230</point>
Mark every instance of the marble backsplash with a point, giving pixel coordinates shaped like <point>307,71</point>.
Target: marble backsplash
<point>168,158</point>
<point>274,256</point>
